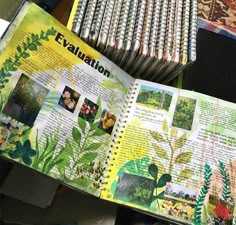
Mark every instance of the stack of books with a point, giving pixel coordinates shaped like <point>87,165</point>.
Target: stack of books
<point>149,39</point>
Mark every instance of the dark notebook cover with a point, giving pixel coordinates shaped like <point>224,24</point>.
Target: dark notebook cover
<point>214,72</point>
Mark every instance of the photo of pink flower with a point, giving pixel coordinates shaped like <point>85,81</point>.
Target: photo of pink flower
<point>88,110</point>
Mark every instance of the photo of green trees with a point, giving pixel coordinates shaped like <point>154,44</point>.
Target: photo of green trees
<point>184,113</point>
<point>154,98</point>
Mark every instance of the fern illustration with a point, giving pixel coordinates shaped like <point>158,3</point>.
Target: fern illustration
<point>226,191</point>
<point>12,63</point>
<point>202,195</point>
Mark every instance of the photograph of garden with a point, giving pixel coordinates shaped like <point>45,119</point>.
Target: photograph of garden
<point>107,121</point>
<point>9,135</point>
<point>179,201</point>
<point>135,189</point>
<point>154,98</point>
<point>88,111</point>
<point>184,113</point>
<point>69,99</point>
<point>25,101</point>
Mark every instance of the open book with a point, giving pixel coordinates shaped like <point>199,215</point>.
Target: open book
<point>68,112</point>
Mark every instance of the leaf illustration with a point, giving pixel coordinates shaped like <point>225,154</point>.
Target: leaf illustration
<point>160,151</point>
<point>165,126</point>
<point>173,132</point>
<point>94,126</point>
<point>87,158</point>
<point>216,128</point>
<point>184,158</point>
<point>98,132</point>
<point>163,180</point>
<point>25,135</point>
<point>76,135</point>
<point>159,196</point>
<point>180,142</point>
<point>82,124</point>
<point>185,174</point>
<point>153,170</point>
<point>136,167</point>
<point>93,146</point>
<point>157,136</point>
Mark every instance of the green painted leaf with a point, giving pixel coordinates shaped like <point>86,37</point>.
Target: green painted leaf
<point>94,125</point>
<point>185,174</point>
<point>25,46</point>
<point>163,180</point>
<point>136,167</point>
<point>160,151</point>
<point>165,126</point>
<point>53,164</point>
<point>216,128</point>
<point>179,143</point>
<point>99,132</point>
<point>32,47</point>
<point>153,170</point>
<point>87,158</point>
<point>25,55</point>
<point>157,136</point>
<point>184,158</point>
<point>18,48</point>
<point>159,196</point>
<point>76,135</point>
<point>82,124</point>
<point>93,146</point>
<point>173,132</point>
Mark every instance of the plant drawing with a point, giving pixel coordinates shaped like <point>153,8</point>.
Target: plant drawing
<point>173,156</point>
<point>202,195</point>
<point>22,52</point>
<point>79,164</point>
<point>160,183</point>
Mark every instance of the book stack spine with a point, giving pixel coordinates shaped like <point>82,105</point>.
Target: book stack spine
<point>150,39</point>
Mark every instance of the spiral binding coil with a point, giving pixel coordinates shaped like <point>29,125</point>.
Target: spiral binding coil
<point>120,126</point>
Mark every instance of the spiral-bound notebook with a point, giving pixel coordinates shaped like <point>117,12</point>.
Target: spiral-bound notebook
<point>70,113</point>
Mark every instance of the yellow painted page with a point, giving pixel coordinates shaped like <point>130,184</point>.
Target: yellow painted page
<point>175,156</point>
<point>59,100</point>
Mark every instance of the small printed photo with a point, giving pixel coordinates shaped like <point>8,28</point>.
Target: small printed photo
<point>88,111</point>
<point>154,98</point>
<point>220,210</point>
<point>10,134</point>
<point>135,189</point>
<point>179,201</point>
<point>107,121</point>
<point>180,192</point>
<point>26,101</point>
<point>69,99</point>
<point>184,113</point>
<point>177,208</point>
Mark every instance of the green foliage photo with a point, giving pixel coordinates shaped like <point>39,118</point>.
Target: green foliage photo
<point>154,98</point>
<point>184,113</point>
